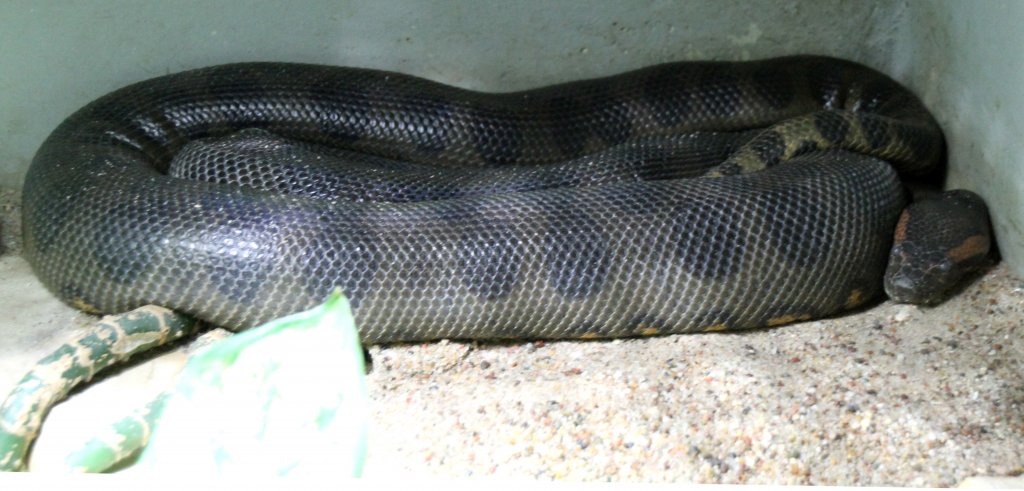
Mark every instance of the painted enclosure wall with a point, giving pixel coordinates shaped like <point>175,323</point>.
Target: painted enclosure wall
<point>963,58</point>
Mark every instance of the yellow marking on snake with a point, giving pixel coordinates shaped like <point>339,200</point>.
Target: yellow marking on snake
<point>856,298</point>
<point>84,306</point>
<point>786,319</point>
<point>721,326</point>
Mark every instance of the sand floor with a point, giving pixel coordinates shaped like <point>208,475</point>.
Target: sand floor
<point>892,395</point>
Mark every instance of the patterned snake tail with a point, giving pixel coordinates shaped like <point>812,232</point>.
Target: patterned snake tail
<point>113,340</point>
<point>798,225</point>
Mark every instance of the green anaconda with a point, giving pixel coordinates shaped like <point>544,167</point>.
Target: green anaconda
<point>682,197</point>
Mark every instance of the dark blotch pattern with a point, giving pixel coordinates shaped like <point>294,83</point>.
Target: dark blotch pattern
<point>614,121</point>
<point>832,126</point>
<point>914,141</point>
<point>572,139</point>
<point>338,252</point>
<point>788,218</point>
<point>577,262</point>
<point>773,86</point>
<point>348,123</point>
<point>427,121</point>
<point>236,107</point>
<point>124,252</point>
<point>240,255</point>
<point>770,146</point>
<point>488,260</point>
<point>725,97</point>
<point>805,147</point>
<point>45,207</point>
<point>668,95</point>
<point>875,130</point>
<point>707,239</point>
<point>502,143</point>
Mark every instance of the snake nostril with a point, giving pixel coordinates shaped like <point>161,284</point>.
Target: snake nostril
<point>903,283</point>
<point>903,288</point>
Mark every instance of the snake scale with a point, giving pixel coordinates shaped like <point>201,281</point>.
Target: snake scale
<point>691,196</point>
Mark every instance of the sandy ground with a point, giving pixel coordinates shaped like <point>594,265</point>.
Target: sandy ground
<point>892,395</point>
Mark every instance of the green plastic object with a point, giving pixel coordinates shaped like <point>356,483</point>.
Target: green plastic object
<point>285,398</point>
<point>113,340</point>
<point>121,441</point>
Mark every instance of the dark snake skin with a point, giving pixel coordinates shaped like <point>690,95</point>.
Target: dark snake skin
<point>485,221</point>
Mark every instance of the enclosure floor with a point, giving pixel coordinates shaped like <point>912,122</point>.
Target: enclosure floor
<point>894,395</point>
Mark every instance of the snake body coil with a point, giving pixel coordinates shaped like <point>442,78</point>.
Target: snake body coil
<point>795,222</point>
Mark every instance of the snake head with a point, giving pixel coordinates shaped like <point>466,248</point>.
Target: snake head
<point>938,241</point>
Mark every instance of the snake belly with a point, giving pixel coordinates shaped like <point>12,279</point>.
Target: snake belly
<point>796,224</point>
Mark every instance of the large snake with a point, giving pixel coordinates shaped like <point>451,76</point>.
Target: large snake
<point>682,197</point>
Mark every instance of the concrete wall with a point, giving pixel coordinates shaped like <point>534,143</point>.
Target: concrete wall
<point>59,54</point>
<point>965,60</point>
<point>963,57</point>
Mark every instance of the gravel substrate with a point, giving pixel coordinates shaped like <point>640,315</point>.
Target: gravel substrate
<point>10,221</point>
<point>892,395</point>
